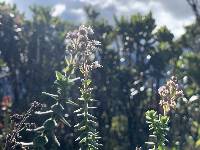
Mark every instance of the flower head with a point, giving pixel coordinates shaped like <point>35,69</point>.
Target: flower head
<point>169,93</point>
<point>79,41</point>
<point>95,65</point>
<point>82,47</point>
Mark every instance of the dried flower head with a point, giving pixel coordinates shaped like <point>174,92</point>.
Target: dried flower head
<point>19,122</point>
<point>169,93</point>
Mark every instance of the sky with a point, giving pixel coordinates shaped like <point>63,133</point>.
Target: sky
<point>175,14</point>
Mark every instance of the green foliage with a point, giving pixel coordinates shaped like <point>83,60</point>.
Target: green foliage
<point>187,65</point>
<point>119,125</point>
<point>137,56</point>
<point>40,141</point>
<point>158,125</point>
<point>87,126</point>
<point>83,47</point>
<point>63,81</point>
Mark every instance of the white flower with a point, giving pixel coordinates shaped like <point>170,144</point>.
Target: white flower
<point>96,65</point>
<point>90,30</point>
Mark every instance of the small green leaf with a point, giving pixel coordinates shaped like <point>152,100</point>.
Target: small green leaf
<point>59,75</point>
<point>51,95</point>
<point>71,102</point>
<point>83,140</point>
<point>55,139</point>
<point>82,128</point>
<point>87,82</point>
<point>64,121</point>
<point>150,143</point>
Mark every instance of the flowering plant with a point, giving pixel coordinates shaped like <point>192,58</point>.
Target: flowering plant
<point>158,123</point>
<point>82,47</point>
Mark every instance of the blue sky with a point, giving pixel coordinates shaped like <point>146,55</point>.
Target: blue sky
<point>175,14</point>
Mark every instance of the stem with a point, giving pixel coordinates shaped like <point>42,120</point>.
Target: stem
<point>85,88</point>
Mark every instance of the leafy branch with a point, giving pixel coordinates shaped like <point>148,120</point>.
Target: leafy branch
<point>158,125</point>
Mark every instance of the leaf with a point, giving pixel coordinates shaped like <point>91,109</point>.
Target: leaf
<point>38,129</point>
<point>194,98</point>
<point>81,99</point>
<point>92,107</point>
<point>83,140</point>
<point>150,143</point>
<point>94,147</point>
<point>87,82</point>
<point>82,128</point>
<point>71,102</point>
<point>78,110</point>
<point>73,80</point>
<point>51,95</point>
<point>43,112</point>
<point>59,75</point>
<point>93,122</point>
<point>197,144</point>
<point>55,139</point>
<point>64,121</point>
<point>164,119</point>
<point>93,117</point>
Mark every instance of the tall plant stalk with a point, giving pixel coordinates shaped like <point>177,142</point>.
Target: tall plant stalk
<point>83,47</point>
<point>158,123</point>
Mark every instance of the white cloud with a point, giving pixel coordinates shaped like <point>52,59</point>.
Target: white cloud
<point>99,3</point>
<point>7,1</point>
<point>164,17</point>
<point>175,14</point>
<point>131,7</point>
<point>58,9</point>
<point>78,13</point>
<point>91,2</point>
<point>173,24</point>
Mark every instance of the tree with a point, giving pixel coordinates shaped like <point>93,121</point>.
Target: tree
<point>195,6</point>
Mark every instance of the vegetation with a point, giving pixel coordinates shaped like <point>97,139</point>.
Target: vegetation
<point>107,90</point>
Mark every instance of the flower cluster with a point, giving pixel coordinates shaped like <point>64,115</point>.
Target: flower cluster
<point>169,93</point>
<point>86,68</point>
<point>80,45</point>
